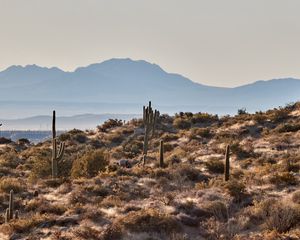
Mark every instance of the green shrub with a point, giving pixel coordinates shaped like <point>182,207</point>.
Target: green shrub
<point>89,164</point>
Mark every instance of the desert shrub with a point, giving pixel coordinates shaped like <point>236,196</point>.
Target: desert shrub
<point>218,209</point>
<point>133,148</point>
<point>259,117</point>
<point>288,128</point>
<point>215,166</point>
<point>189,172</point>
<point>86,232</point>
<point>109,124</point>
<point>80,137</point>
<point>202,132</point>
<point>89,164</point>
<point>181,123</point>
<point>279,114</point>
<point>169,137</point>
<point>236,189</point>
<point>41,164</point>
<point>204,118</point>
<point>96,143</point>
<point>75,131</point>
<point>296,197</point>
<point>9,183</point>
<point>236,149</point>
<point>40,205</point>
<point>64,137</point>
<point>242,111</point>
<point>4,140</point>
<point>23,141</point>
<point>283,179</point>
<point>116,137</point>
<point>10,160</point>
<point>23,225</point>
<point>149,220</point>
<point>283,217</point>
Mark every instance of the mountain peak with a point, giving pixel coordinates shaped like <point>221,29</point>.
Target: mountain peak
<point>122,64</point>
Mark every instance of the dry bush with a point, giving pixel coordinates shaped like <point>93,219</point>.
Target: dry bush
<point>40,163</point>
<point>200,132</point>
<point>283,217</point>
<point>236,189</point>
<point>9,183</point>
<point>9,160</point>
<point>86,232</point>
<point>296,197</point>
<point>215,166</point>
<point>89,164</point>
<point>24,224</point>
<point>190,173</point>
<point>42,206</point>
<point>181,123</point>
<point>167,137</point>
<point>218,209</point>
<point>133,148</point>
<point>109,124</point>
<point>288,127</point>
<point>116,137</point>
<point>150,221</point>
<point>204,118</point>
<point>279,114</point>
<point>4,140</point>
<point>283,179</point>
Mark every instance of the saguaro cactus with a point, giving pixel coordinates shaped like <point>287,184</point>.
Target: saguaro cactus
<point>57,153</point>
<point>227,163</point>
<point>11,204</point>
<point>161,154</point>
<point>9,214</point>
<point>150,119</point>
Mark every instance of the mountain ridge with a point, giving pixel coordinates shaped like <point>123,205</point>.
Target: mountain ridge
<point>119,81</point>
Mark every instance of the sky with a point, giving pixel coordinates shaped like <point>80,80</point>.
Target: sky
<point>213,42</point>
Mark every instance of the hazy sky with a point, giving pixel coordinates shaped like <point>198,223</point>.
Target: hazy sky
<point>221,43</point>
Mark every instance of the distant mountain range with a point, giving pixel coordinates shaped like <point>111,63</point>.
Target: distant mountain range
<point>44,123</point>
<point>123,86</point>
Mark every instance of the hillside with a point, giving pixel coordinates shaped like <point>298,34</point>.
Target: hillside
<point>104,190</point>
<point>122,85</point>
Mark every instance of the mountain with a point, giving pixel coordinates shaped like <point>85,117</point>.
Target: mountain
<point>124,85</point>
<point>43,123</point>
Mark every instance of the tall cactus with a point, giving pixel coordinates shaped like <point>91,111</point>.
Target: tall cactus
<point>57,153</point>
<point>9,214</point>
<point>161,154</point>
<point>150,119</point>
<point>11,204</point>
<point>227,163</point>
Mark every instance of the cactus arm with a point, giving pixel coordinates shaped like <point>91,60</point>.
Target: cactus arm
<point>61,151</point>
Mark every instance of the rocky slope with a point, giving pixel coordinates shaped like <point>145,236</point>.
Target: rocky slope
<point>96,198</point>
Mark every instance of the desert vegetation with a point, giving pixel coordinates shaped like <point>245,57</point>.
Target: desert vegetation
<point>188,176</point>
